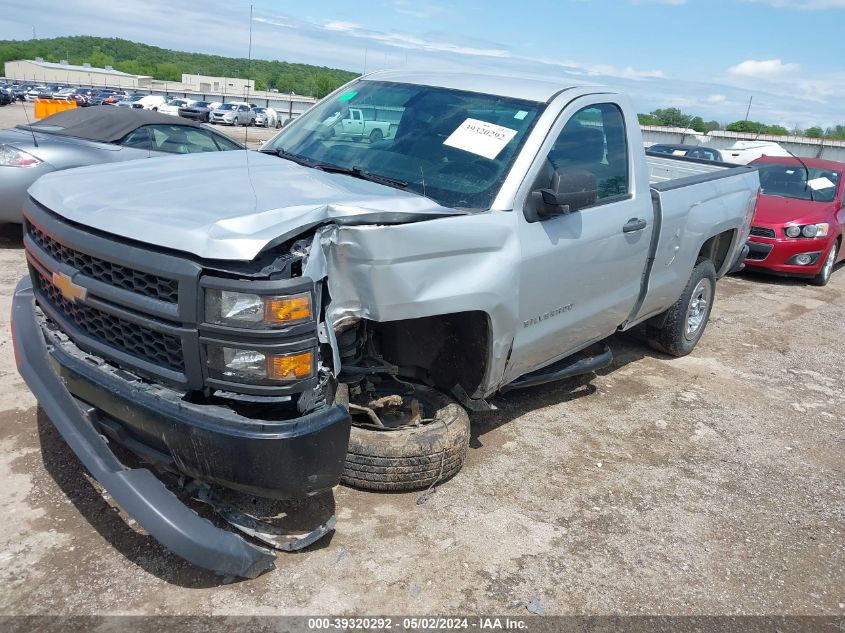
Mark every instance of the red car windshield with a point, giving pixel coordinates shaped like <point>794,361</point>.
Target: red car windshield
<point>789,180</point>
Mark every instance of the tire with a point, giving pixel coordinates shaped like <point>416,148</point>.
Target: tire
<point>376,136</point>
<point>411,458</point>
<point>684,323</point>
<point>824,274</point>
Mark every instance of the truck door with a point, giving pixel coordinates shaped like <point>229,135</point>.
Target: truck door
<point>354,125</point>
<point>581,272</point>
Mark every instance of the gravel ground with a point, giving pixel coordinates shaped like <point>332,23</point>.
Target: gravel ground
<point>711,484</point>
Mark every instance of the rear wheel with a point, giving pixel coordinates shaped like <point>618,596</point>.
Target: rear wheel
<point>423,439</point>
<point>824,274</point>
<point>684,323</point>
<point>376,136</point>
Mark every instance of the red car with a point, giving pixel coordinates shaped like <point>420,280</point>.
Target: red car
<point>797,226</point>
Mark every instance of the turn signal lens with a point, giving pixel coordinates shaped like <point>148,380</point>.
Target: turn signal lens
<point>288,309</point>
<point>256,367</point>
<point>244,309</point>
<point>291,367</point>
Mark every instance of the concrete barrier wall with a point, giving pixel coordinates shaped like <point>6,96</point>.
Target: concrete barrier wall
<point>799,145</point>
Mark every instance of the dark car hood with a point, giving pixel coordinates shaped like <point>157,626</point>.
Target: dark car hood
<point>222,205</point>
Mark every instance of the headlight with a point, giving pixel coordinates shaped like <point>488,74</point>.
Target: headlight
<point>13,157</point>
<point>814,230</point>
<point>261,368</point>
<point>243,309</point>
<point>807,230</point>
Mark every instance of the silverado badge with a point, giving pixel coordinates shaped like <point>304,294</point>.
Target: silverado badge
<point>69,290</point>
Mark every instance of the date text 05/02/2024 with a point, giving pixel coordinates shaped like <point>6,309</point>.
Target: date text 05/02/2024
<point>417,624</point>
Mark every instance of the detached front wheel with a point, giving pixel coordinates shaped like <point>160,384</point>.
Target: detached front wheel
<point>404,437</point>
<point>684,323</point>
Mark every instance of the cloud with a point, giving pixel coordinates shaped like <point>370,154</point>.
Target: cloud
<point>671,2</point>
<point>716,99</point>
<point>806,5</point>
<point>419,10</point>
<point>433,42</point>
<point>765,69</point>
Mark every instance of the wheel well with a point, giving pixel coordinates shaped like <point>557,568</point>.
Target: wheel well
<point>716,249</point>
<point>444,350</point>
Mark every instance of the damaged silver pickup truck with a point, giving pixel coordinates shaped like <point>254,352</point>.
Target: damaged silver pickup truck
<point>327,309</point>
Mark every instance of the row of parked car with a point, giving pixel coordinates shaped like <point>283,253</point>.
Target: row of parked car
<point>231,113</point>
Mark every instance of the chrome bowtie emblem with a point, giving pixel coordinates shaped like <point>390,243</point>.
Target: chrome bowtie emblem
<point>69,290</point>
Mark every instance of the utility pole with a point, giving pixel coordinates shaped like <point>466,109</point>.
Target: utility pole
<point>748,111</point>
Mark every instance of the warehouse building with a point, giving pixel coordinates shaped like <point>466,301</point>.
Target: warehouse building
<point>38,71</point>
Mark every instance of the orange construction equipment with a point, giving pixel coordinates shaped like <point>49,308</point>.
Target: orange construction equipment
<point>46,107</point>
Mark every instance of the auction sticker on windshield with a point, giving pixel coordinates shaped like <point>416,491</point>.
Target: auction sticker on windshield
<point>480,137</point>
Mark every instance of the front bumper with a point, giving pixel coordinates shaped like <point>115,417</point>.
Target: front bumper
<point>86,400</point>
<point>775,255</point>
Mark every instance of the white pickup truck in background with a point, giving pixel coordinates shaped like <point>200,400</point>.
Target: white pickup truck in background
<point>357,124</point>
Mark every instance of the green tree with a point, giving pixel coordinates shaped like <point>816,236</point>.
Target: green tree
<point>711,126</point>
<point>648,119</point>
<point>814,132</point>
<point>836,132</point>
<point>98,59</point>
<point>325,84</point>
<point>776,130</point>
<point>697,124</point>
<point>753,127</point>
<point>672,117</point>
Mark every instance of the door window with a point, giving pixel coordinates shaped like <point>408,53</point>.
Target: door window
<point>176,139</point>
<point>593,140</point>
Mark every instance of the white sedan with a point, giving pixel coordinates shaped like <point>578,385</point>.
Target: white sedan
<point>172,106</point>
<point>267,117</point>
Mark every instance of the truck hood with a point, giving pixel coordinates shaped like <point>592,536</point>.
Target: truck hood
<point>777,210</point>
<point>222,205</point>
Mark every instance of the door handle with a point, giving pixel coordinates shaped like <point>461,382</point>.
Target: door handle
<point>634,224</point>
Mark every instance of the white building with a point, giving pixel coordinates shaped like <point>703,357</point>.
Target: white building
<point>39,71</point>
<point>217,85</point>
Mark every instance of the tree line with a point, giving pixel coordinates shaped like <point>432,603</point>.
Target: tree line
<point>169,65</point>
<point>673,117</point>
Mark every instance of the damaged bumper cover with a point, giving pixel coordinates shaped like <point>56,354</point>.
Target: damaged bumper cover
<point>290,459</point>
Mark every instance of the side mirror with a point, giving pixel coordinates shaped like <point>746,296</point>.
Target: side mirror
<point>570,191</point>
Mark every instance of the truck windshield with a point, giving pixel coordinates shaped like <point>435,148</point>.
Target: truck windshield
<point>452,146</point>
<point>789,180</point>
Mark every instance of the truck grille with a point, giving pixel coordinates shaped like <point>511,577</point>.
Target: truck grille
<point>141,283</point>
<point>131,338</point>
<point>759,231</point>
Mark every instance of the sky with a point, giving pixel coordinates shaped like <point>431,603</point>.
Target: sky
<point>707,57</point>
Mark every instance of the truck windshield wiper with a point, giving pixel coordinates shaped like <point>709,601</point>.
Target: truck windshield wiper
<point>295,158</point>
<point>357,172</point>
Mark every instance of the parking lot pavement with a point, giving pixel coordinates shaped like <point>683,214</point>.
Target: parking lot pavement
<point>711,484</point>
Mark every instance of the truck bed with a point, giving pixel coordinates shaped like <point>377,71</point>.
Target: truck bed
<point>692,199</point>
<point>664,167</point>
